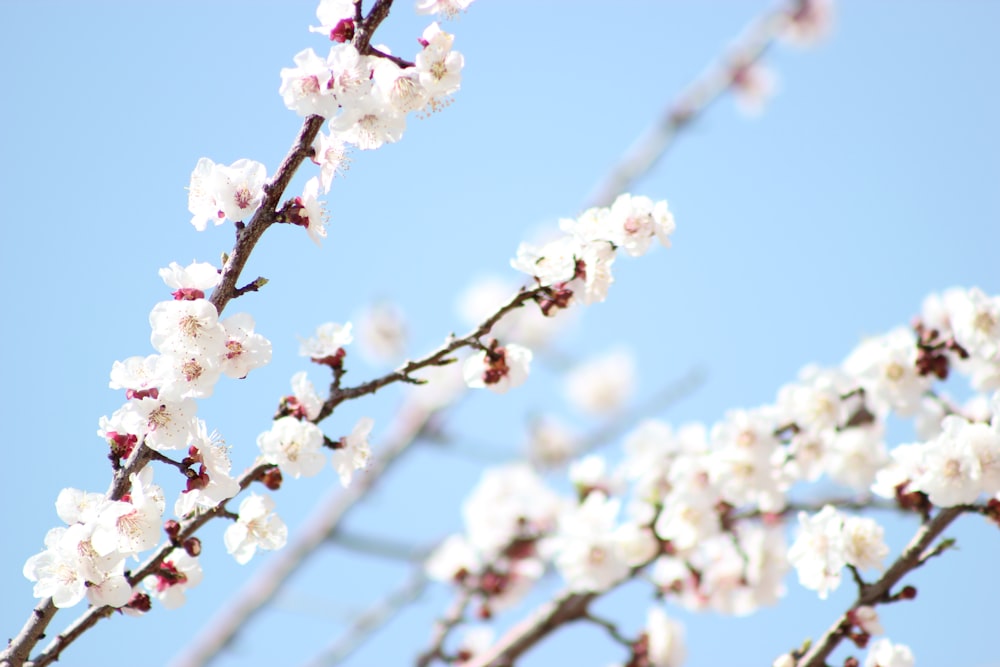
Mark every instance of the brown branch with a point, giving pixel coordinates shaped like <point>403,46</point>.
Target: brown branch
<point>366,29</point>
<point>438,357</point>
<point>90,617</point>
<point>19,648</point>
<point>247,236</point>
<point>916,553</point>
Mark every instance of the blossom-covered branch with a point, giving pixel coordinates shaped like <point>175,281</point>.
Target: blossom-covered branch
<point>913,556</point>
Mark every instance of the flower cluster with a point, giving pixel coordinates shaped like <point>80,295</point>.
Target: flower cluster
<point>575,267</point>
<point>366,97</point>
<point>194,349</point>
<point>294,443</point>
<point>704,507</point>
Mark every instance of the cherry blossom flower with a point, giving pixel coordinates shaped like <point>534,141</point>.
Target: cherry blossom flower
<point>195,277</point>
<point>975,322</point>
<point>950,468</point>
<point>634,221</point>
<point>330,13</point>
<point>257,526</point>
<point>331,156</point>
<point>883,653</point>
<point>330,338</point>
<point>864,543</point>
<point>447,8</point>
<point>585,548</point>
<point>76,506</point>
<point>886,368</point>
<point>350,76</point>
<point>866,618</point>
<point>218,192</point>
<point>664,639</point>
<point>552,263</point>
<point>304,403</point>
<point>369,123</point>
<point>306,88</point>
<point>294,446</point>
<point>188,375</point>
<point>186,327</point>
<point>133,526</point>
<point>400,88</point>
<point>439,68</point>
<point>312,211</point>
<point>178,573</point>
<point>509,501</point>
<point>213,482</point>
<point>138,376</point>
<point>818,550</point>
<point>245,350</point>
<point>165,424</point>
<point>499,369</point>
<point>57,571</point>
<point>354,451</point>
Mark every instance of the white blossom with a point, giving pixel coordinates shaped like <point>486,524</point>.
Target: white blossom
<point>499,370</point>
<point>294,446</point>
<point>257,526</point>
<point>197,275</point>
<point>883,653</point>
<point>586,550</point>
<point>329,338</point>
<point>244,350</point>
<point>665,639</point>
<point>354,452</point>
<point>448,8</point>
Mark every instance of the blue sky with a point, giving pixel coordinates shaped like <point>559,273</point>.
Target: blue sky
<point>870,180</point>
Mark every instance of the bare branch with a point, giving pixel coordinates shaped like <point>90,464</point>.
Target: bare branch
<point>564,609</point>
<point>647,150</point>
<point>372,619</point>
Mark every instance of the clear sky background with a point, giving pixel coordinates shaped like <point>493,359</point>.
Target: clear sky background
<point>870,180</point>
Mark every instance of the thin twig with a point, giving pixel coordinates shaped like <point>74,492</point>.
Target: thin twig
<point>913,556</point>
<point>372,619</point>
<point>439,357</point>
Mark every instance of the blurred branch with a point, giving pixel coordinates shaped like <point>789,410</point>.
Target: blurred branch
<point>647,150</point>
<point>373,618</point>
<point>378,546</point>
<point>443,627</point>
<point>612,429</point>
